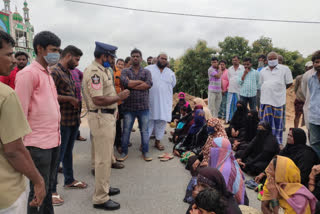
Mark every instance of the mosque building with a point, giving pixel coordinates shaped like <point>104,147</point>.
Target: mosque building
<point>18,27</point>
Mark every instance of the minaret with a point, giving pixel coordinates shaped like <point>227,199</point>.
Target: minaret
<point>7,6</point>
<point>26,11</point>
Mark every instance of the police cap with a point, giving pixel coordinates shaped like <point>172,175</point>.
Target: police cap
<point>106,49</point>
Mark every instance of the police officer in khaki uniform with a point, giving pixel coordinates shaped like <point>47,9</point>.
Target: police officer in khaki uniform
<point>101,99</point>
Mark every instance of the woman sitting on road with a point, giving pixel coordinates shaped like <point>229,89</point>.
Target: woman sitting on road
<point>212,178</point>
<point>283,189</point>
<point>221,157</point>
<point>250,132</point>
<point>199,101</point>
<point>238,123</point>
<point>182,102</point>
<point>302,155</point>
<point>196,134</point>
<point>215,129</point>
<point>256,157</point>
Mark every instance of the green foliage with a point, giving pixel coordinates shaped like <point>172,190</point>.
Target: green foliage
<point>234,46</point>
<point>191,70</point>
<point>261,46</point>
<point>144,64</point>
<point>172,62</point>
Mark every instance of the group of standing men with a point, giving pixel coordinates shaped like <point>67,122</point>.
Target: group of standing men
<point>265,89</point>
<point>42,118</point>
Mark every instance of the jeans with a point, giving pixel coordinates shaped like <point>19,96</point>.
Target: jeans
<point>46,161</point>
<point>314,131</point>
<point>128,120</point>
<point>223,106</point>
<point>251,100</point>
<point>68,137</point>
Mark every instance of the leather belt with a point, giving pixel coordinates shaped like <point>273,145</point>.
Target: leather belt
<point>104,111</point>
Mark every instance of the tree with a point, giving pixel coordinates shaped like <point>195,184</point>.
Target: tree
<point>261,46</point>
<point>172,63</point>
<point>234,46</point>
<point>293,59</point>
<point>192,70</point>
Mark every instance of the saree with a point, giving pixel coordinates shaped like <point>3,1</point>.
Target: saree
<point>293,196</point>
<point>221,157</point>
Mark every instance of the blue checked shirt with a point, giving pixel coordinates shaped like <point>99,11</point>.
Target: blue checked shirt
<point>250,85</point>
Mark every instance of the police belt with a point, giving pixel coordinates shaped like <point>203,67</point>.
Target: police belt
<point>104,111</point>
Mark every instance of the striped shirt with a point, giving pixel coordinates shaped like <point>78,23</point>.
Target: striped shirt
<point>250,84</point>
<point>214,83</point>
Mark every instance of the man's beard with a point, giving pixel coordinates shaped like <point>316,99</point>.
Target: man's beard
<point>20,67</point>
<point>317,68</point>
<point>71,66</point>
<point>161,65</point>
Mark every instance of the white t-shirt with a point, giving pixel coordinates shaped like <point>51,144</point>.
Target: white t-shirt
<point>233,76</point>
<point>273,85</point>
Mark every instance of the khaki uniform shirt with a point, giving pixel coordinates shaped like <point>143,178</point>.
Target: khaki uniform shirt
<point>13,126</point>
<point>98,81</point>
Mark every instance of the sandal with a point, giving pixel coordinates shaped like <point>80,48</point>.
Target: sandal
<point>166,157</point>
<point>80,138</point>
<point>159,146</point>
<point>57,200</point>
<point>76,185</point>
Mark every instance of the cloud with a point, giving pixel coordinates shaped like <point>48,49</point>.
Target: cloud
<point>82,25</point>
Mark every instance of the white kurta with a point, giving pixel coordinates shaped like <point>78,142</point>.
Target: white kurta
<point>161,93</point>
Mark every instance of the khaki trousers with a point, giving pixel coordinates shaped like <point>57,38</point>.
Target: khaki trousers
<point>103,131</point>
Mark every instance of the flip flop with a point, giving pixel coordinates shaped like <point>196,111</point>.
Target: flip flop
<point>166,157</point>
<point>163,155</point>
<point>76,185</point>
<point>57,200</point>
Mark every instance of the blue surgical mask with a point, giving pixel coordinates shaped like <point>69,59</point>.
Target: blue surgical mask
<point>52,58</point>
<point>210,130</point>
<point>106,64</point>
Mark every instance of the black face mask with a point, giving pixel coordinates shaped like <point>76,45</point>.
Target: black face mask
<point>262,133</point>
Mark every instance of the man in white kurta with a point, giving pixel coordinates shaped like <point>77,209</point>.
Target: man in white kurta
<point>160,98</point>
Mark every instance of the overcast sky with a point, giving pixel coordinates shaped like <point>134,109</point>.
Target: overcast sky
<point>81,25</point>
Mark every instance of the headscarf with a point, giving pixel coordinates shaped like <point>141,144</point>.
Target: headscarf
<point>221,157</point>
<point>213,178</point>
<point>264,140</point>
<point>219,132</point>
<point>239,119</point>
<point>252,124</point>
<point>199,121</point>
<point>301,154</point>
<point>199,101</point>
<point>293,196</point>
<point>300,140</point>
<point>182,95</point>
<point>198,107</point>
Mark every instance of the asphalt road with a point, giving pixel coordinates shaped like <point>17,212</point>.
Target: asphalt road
<point>146,187</point>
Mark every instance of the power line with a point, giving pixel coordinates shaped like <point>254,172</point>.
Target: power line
<point>195,15</point>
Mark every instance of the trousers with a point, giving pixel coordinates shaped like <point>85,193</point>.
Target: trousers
<point>103,131</point>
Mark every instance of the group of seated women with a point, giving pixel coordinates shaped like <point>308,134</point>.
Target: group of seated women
<point>220,155</point>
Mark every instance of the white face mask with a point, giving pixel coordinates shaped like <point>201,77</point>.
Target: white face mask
<point>273,63</point>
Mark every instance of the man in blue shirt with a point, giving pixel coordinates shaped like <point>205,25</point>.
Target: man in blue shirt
<point>249,84</point>
<point>314,106</point>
